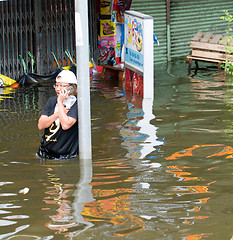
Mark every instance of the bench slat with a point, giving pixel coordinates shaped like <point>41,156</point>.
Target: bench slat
<point>206,37</point>
<point>198,36</point>
<point>211,55</point>
<point>216,38</point>
<point>204,59</point>
<point>208,46</point>
<point>224,40</point>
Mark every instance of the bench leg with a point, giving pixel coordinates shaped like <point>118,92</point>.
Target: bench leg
<point>219,64</point>
<point>103,72</point>
<point>121,76</point>
<point>196,63</point>
<point>190,63</point>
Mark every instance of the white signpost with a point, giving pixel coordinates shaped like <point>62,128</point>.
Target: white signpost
<point>139,62</point>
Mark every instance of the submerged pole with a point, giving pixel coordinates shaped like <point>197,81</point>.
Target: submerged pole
<point>82,60</point>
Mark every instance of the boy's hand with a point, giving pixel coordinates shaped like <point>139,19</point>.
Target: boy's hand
<point>67,110</point>
<point>62,95</point>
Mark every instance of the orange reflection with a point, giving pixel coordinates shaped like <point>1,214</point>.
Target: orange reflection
<point>58,194</point>
<point>204,200</point>
<point>183,176</point>
<point>201,201</point>
<point>188,151</point>
<point>225,151</point>
<point>192,189</point>
<point>198,236</point>
<point>112,202</point>
<point>112,206</point>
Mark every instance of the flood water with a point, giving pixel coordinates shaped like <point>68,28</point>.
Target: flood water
<point>160,170</point>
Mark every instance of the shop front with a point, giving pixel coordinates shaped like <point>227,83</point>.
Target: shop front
<point>42,27</point>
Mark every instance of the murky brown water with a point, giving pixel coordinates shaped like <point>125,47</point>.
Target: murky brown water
<point>160,170</point>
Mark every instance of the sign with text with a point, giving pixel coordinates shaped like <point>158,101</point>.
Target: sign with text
<point>139,63</point>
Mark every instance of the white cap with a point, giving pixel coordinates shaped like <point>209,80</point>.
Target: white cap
<point>66,76</point>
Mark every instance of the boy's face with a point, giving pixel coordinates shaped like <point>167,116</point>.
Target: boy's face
<point>61,86</point>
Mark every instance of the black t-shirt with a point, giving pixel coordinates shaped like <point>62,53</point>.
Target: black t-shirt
<point>57,143</point>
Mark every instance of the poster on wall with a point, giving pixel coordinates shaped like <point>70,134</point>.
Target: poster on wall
<point>118,7</point>
<point>119,41</point>
<point>107,33</point>
<point>105,7</point>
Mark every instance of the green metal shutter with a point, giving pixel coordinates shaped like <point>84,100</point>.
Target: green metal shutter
<point>156,9</point>
<point>189,17</point>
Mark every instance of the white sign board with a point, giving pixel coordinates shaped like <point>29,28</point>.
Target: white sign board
<point>139,52</point>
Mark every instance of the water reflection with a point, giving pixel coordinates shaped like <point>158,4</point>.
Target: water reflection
<point>6,93</point>
<point>62,195</point>
<point>83,195</point>
<point>9,220</point>
<point>139,135</point>
<point>138,186</point>
<point>187,173</point>
<point>112,198</point>
<point>114,180</point>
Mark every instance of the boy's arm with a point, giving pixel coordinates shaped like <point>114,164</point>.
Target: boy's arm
<point>66,121</point>
<point>45,121</point>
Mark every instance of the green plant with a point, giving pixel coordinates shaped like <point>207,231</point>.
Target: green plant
<point>228,65</point>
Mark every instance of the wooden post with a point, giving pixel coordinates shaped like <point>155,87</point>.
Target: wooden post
<point>168,32</point>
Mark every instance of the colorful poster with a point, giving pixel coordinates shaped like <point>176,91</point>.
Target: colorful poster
<point>119,41</point>
<point>134,41</point>
<point>107,33</point>
<point>105,7</point>
<point>118,8</point>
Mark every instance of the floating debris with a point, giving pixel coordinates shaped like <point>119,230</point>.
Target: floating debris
<point>147,217</point>
<point>24,191</point>
<point>14,162</point>
<point>151,165</point>
<point>143,185</point>
<point>3,152</point>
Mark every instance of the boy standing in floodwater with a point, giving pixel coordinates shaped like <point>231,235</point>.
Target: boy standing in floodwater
<point>59,120</point>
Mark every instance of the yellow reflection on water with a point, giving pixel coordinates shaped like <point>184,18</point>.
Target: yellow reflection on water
<point>4,94</point>
<point>6,91</point>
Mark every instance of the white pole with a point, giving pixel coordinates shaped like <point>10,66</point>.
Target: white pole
<point>82,60</point>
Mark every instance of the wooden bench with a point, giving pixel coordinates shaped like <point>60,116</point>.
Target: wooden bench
<point>113,72</point>
<point>207,47</point>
